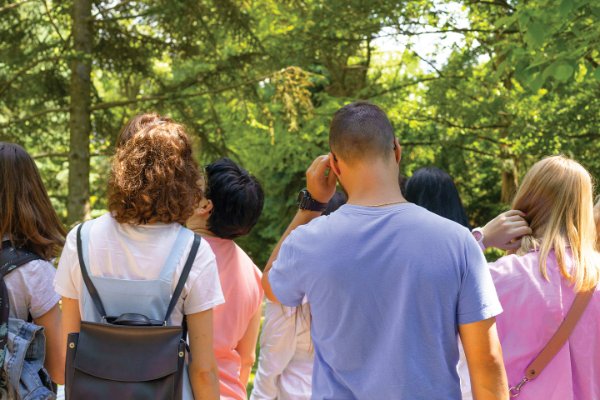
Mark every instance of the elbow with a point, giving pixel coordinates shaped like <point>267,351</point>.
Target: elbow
<point>265,281</point>
<point>248,362</point>
<point>57,375</point>
<point>267,287</point>
<point>204,376</point>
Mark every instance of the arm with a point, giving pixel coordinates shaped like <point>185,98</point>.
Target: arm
<point>55,356</point>
<point>203,366</point>
<point>71,321</point>
<point>321,186</point>
<point>484,358</point>
<point>246,347</point>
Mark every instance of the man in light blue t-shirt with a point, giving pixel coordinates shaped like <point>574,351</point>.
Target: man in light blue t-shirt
<point>389,283</point>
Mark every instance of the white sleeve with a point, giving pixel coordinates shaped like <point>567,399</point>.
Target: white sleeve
<point>67,282</point>
<point>203,286</point>
<point>277,348</point>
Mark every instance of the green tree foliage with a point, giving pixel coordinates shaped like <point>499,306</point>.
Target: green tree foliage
<point>258,81</point>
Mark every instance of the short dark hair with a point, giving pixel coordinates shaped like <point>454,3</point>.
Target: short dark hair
<point>237,199</point>
<point>359,130</point>
<point>434,189</point>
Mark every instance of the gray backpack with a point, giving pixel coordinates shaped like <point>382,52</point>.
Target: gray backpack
<point>22,343</point>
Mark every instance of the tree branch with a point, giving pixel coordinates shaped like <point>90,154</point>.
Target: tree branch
<point>443,143</point>
<point>122,103</point>
<point>14,5</point>
<point>52,21</point>
<point>498,3</point>
<point>402,86</point>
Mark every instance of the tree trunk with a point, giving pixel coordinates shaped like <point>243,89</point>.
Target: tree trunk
<point>78,204</point>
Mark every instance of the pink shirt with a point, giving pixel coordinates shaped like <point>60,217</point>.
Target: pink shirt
<point>240,282</point>
<point>533,310</point>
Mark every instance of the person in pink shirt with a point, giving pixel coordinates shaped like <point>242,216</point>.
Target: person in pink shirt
<point>538,283</point>
<point>231,207</point>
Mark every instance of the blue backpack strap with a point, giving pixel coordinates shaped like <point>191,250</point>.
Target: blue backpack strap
<point>82,252</point>
<point>179,288</point>
<point>176,254</point>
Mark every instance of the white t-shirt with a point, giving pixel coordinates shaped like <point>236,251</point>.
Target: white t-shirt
<point>30,290</point>
<point>285,363</point>
<point>138,252</point>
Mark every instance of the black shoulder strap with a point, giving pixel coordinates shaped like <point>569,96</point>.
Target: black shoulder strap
<point>11,258</point>
<point>184,275</point>
<point>86,278</point>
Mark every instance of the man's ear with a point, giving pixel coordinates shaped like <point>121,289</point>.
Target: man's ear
<point>397,150</point>
<point>333,164</point>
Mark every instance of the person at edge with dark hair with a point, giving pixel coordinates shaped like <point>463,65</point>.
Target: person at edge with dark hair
<point>141,239</point>
<point>286,359</point>
<point>28,221</point>
<point>231,207</point>
<point>389,283</point>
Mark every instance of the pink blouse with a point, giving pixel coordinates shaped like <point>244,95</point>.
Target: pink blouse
<point>533,310</point>
<point>240,281</point>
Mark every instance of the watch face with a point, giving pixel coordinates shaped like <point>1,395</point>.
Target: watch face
<point>477,234</point>
<point>303,195</point>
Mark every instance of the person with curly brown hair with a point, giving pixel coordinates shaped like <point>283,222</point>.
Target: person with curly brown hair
<point>153,190</point>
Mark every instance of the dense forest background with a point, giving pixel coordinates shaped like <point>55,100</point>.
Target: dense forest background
<point>480,88</point>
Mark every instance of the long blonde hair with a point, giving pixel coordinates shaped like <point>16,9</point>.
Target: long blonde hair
<point>556,195</point>
<point>597,219</point>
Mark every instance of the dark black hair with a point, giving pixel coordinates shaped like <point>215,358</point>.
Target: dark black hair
<point>359,130</point>
<point>434,190</point>
<point>237,199</point>
<point>338,200</point>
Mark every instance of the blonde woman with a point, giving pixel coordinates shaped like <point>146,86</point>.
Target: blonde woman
<point>538,283</point>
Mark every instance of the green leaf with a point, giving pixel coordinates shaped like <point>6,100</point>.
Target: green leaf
<point>536,34</point>
<point>536,82</point>
<point>563,71</point>
<point>597,74</point>
<point>565,7</point>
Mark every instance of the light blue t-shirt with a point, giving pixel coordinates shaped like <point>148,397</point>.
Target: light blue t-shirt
<point>387,288</point>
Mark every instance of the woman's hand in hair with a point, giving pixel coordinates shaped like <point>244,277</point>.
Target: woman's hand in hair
<point>506,230</point>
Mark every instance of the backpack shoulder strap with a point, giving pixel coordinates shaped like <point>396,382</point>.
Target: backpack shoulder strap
<point>86,277</point>
<point>184,275</point>
<point>12,258</point>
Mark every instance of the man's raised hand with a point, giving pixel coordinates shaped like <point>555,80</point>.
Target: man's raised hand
<point>320,180</point>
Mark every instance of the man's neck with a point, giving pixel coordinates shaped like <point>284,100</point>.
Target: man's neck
<point>373,187</point>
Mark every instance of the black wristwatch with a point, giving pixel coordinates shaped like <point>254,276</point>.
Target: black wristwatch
<point>306,202</point>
